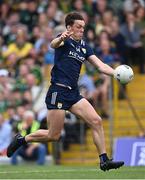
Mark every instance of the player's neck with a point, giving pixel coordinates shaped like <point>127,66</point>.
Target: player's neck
<point>75,39</point>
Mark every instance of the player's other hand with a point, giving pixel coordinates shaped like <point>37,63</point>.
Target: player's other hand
<point>66,35</point>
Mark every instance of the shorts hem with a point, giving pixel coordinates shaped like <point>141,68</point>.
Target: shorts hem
<point>55,108</point>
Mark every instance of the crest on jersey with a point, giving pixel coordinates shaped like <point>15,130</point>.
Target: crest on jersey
<point>78,49</point>
<point>84,50</point>
<point>59,105</point>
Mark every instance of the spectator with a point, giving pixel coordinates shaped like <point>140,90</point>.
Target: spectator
<point>54,15</point>
<point>4,83</point>
<point>27,96</point>
<point>36,34</point>
<point>32,85</point>
<point>107,52</point>
<point>16,99</point>
<point>21,47</point>
<point>4,12</point>
<point>11,63</point>
<point>65,5</point>
<point>36,69</point>
<point>5,90</point>
<point>47,37</point>
<point>119,40</point>
<point>132,35</point>
<point>140,19</point>
<point>10,29</point>
<point>5,135</point>
<point>131,6</point>
<point>47,53</point>
<point>104,35</point>
<point>20,111</point>
<point>1,49</point>
<point>100,6</point>
<point>12,117</point>
<point>98,25</point>
<point>107,18</point>
<point>78,5</point>
<point>28,13</point>
<point>91,37</point>
<point>3,103</point>
<point>42,21</point>
<point>20,82</point>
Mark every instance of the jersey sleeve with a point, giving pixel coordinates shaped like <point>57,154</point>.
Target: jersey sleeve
<point>89,51</point>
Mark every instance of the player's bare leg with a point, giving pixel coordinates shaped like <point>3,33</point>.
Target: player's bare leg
<point>55,120</point>
<point>85,110</point>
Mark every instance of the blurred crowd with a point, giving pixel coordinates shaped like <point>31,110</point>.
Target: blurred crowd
<point>115,29</point>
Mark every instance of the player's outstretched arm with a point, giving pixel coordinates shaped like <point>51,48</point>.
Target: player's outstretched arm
<point>102,67</point>
<point>59,41</point>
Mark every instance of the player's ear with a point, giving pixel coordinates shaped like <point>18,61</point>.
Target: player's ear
<point>68,27</point>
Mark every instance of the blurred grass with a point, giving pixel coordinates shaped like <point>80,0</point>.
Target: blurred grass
<point>68,172</point>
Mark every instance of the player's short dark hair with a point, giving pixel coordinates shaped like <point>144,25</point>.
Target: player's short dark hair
<point>71,17</point>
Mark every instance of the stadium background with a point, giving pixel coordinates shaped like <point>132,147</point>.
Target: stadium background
<point>26,59</point>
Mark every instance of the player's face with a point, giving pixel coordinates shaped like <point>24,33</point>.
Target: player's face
<point>78,29</point>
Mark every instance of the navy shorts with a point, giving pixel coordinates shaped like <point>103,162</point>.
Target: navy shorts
<point>61,97</point>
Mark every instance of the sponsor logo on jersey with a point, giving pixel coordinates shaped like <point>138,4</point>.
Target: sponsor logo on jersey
<point>76,56</point>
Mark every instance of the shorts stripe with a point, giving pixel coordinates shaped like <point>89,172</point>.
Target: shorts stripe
<point>53,98</point>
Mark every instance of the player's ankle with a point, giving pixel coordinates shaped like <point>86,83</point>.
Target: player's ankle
<point>103,157</point>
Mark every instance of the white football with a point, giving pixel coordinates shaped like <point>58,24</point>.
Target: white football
<point>124,74</point>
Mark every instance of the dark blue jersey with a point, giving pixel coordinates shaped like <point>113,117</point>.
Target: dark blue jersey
<point>68,60</point>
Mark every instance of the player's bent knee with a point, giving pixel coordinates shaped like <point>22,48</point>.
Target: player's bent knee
<point>54,137</point>
<point>96,122</point>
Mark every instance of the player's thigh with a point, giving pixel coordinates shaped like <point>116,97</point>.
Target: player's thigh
<point>85,110</point>
<point>55,120</point>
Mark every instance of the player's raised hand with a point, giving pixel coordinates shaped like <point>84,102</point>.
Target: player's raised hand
<point>66,35</point>
<point>59,41</point>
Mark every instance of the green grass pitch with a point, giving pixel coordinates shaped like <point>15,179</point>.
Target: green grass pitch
<point>68,172</point>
